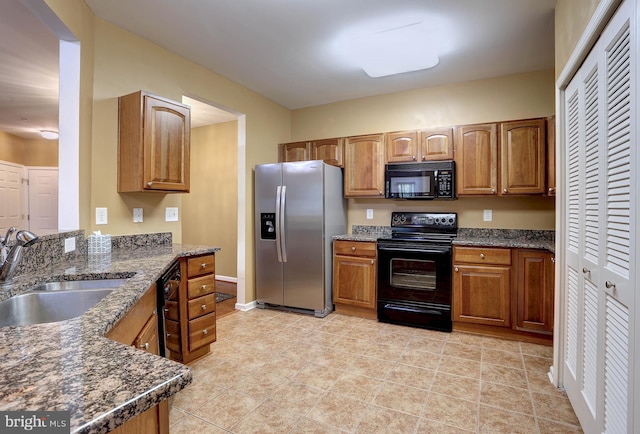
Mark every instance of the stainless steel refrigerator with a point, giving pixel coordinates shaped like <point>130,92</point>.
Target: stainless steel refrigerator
<point>299,206</point>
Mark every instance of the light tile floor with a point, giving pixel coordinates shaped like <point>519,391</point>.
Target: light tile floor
<point>277,372</point>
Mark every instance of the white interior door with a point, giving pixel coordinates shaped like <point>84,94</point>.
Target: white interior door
<point>600,253</point>
<point>43,200</point>
<point>11,196</point>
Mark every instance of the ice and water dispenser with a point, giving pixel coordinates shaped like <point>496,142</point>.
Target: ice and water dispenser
<point>267,226</point>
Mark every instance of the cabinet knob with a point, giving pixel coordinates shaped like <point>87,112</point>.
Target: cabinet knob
<point>155,311</point>
<point>372,262</point>
<point>166,310</point>
<point>609,285</point>
<point>456,269</point>
<point>203,265</point>
<point>205,331</point>
<point>380,192</point>
<point>505,190</point>
<point>353,248</point>
<point>145,346</point>
<point>552,190</point>
<point>149,184</point>
<point>553,260</point>
<point>585,270</point>
<point>493,191</point>
<point>203,287</point>
<point>413,157</point>
<point>481,255</point>
<point>168,334</point>
<point>204,307</point>
<point>424,158</point>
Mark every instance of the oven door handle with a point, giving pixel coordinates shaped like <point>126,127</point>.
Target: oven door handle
<point>397,249</point>
<point>412,309</point>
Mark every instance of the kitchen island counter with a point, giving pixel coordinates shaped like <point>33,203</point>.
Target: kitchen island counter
<point>70,365</point>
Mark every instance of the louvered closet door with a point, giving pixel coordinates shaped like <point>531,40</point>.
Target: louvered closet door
<point>600,252</point>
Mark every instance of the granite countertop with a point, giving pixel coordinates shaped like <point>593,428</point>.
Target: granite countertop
<point>71,366</point>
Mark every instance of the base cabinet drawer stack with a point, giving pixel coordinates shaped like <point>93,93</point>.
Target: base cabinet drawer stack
<point>354,278</point>
<point>505,292</point>
<point>190,318</point>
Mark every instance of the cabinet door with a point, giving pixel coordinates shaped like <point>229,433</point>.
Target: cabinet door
<point>534,293</point>
<point>551,156</point>
<point>354,281</point>
<point>476,155</point>
<point>522,158</point>
<point>147,340</point>
<point>481,295</point>
<point>328,150</point>
<point>436,144</point>
<point>298,151</point>
<point>166,145</point>
<point>364,166</point>
<point>402,146</point>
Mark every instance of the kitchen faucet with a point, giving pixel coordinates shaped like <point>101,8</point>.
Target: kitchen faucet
<point>9,263</point>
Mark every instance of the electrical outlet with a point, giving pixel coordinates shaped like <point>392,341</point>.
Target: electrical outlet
<point>137,215</point>
<point>488,215</point>
<point>69,244</point>
<point>101,216</point>
<point>171,214</point>
<point>369,214</point>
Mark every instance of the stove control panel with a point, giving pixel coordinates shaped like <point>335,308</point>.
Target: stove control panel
<point>434,220</point>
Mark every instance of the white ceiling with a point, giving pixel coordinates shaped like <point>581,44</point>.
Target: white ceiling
<point>286,49</point>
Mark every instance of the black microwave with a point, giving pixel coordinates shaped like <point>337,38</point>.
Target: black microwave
<point>425,180</point>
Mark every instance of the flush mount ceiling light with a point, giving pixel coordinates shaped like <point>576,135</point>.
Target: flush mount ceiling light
<point>49,135</point>
<point>394,45</point>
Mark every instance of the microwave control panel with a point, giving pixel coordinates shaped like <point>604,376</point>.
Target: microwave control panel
<point>445,183</point>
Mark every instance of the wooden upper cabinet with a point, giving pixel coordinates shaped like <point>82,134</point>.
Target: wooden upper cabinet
<point>328,150</point>
<point>551,156</point>
<point>153,146</point>
<point>476,156</point>
<point>436,144</point>
<point>364,166</point>
<point>402,146</point>
<point>523,163</point>
<point>297,151</point>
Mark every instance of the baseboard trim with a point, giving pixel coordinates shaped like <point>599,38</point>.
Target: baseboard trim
<point>246,306</point>
<point>227,278</point>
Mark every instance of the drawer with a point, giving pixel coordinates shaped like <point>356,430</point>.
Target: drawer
<point>201,265</point>
<point>202,331</point>
<point>201,286</point>
<point>482,255</point>
<point>171,310</point>
<point>354,248</point>
<point>201,306</point>
<point>172,334</point>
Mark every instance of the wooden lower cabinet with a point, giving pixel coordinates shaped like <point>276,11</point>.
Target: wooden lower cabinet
<point>354,278</point>
<point>190,318</point>
<point>139,327</point>
<point>504,292</point>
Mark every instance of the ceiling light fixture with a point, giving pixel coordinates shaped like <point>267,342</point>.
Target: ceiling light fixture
<point>49,135</point>
<point>394,45</point>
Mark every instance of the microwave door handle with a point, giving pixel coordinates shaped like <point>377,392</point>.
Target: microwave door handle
<point>283,199</point>
<point>278,242</point>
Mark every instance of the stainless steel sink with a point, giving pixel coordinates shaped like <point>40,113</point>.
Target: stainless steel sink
<point>55,301</point>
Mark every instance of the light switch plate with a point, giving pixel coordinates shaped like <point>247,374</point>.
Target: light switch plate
<point>101,216</point>
<point>69,244</point>
<point>171,214</point>
<point>488,215</point>
<point>137,215</point>
<point>369,214</point>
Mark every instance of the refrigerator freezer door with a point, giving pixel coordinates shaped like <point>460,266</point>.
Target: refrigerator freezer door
<point>304,240</point>
<point>268,179</point>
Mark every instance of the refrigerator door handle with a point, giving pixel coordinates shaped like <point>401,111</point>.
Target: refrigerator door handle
<point>277,222</point>
<point>283,247</point>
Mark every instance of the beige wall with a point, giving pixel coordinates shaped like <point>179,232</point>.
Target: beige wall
<point>571,19</point>
<point>11,148</point>
<point>210,210</point>
<point>506,98</point>
<point>41,152</point>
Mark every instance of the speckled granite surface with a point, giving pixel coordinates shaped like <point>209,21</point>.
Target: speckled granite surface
<point>365,233</point>
<point>70,365</point>
<point>520,238</point>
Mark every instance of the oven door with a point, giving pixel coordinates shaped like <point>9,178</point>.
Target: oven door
<point>414,286</point>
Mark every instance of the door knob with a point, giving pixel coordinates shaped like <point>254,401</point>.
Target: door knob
<point>609,285</point>
<point>585,270</point>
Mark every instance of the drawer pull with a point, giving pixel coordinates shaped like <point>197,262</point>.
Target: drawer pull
<point>456,269</point>
<point>481,255</point>
<point>166,310</point>
<point>205,331</point>
<point>353,249</point>
<point>413,157</point>
<point>505,190</point>
<point>493,190</point>
<point>168,334</point>
<point>609,285</point>
<point>149,184</point>
<point>203,265</point>
<point>145,346</point>
<point>204,307</point>
<point>551,190</point>
<point>203,287</point>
